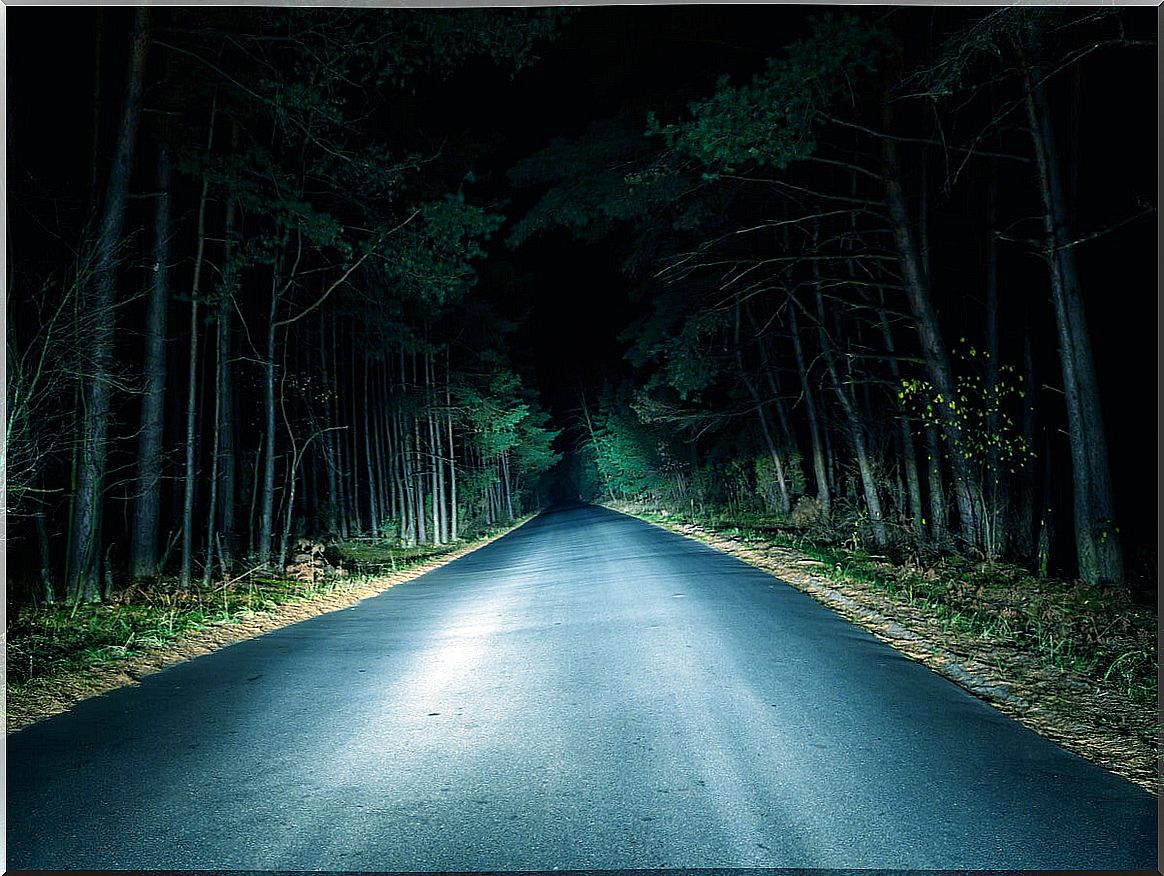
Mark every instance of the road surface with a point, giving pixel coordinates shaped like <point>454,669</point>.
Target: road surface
<point>587,692</point>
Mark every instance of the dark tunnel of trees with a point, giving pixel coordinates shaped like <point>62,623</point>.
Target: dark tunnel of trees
<point>890,275</point>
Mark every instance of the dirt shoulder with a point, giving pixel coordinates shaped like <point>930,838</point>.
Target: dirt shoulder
<point>50,695</point>
<point>1088,717</point>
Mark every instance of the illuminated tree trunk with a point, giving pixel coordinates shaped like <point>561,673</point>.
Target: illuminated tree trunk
<point>453,523</point>
<point>508,486</point>
<point>387,511</point>
<point>267,508</point>
<point>373,490</point>
<point>143,556</point>
<point>192,374</point>
<point>1097,539</point>
<point>225,444</point>
<point>329,438</point>
<point>83,578</point>
<point>436,472</point>
<point>354,445</point>
<point>343,517</point>
<point>438,457</point>
<point>418,490</point>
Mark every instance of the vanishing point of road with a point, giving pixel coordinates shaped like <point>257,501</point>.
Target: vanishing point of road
<point>588,692</point>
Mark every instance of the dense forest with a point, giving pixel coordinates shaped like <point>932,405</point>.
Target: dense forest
<point>263,327</point>
<point>870,276</point>
<point>887,274</point>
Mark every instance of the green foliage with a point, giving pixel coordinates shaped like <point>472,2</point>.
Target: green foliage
<point>628,455</point>
<point>683,339</point>
<point>584,474</point>
<point>993,37</point>
<point>987,435</point>
<point>534,454</point>
<point>608,176</point>
<point>441,41</point>
<point>53,642</point>
<point>767,485</point>
<point>502,416</point>
<point>430,258</point>
<point>771,120</point>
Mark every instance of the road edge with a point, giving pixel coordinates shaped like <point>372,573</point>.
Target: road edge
<point>58,694</point>
<point>971,675</point>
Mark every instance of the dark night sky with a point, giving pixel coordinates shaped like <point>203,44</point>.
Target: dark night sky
<point>574,297</point>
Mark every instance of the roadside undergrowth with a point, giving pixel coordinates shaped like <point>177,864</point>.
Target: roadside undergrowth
<point>59,655</point>
<point>1075,663</point>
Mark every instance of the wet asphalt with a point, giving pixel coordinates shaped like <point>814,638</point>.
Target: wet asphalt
<point>588,692</point>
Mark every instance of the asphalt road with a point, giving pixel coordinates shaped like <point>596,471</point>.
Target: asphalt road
<point>587,692</point>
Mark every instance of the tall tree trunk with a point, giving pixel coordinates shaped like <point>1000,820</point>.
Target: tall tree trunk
<point>835,485</point>
<point>403,445</point>
<point>343,514</point>
<point>1025,504</point>
<point>856,429</point>
<point>810,409</point>
<point>373,492</point>
<point>769,443</point>
<point>421,526</point>
<point>933,347</point>
<point>1045,542</point>
<point>227,465</point>
<point>939,525</point>
<point>387,494</point>
<point>1097,537</point>
<point>454,532</point>
<point>252,517</point>
<point>44,553</point>
<point>192,373</point>
<point>905,433</point>
<point>771,376</point>
<point>267,507</point>
<point>433,454</point>
<point>387,512</point>
<point>83,579</point>
<point>143,556</point>
<point>439,456</point>
<point>354,457</point>
<point>227,462</point>
<point>995,492</point>
<point>404,473</point>
<point>508,486</point>
<point>329,438</point>
<point>215,459</point>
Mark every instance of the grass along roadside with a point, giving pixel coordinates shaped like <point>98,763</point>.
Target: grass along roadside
<point>1074,663</point>
<point>59,655</point>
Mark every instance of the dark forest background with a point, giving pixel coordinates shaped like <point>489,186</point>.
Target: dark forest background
<point>884,273</point>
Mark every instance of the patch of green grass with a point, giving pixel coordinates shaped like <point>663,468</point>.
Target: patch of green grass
<point>45,642</point>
